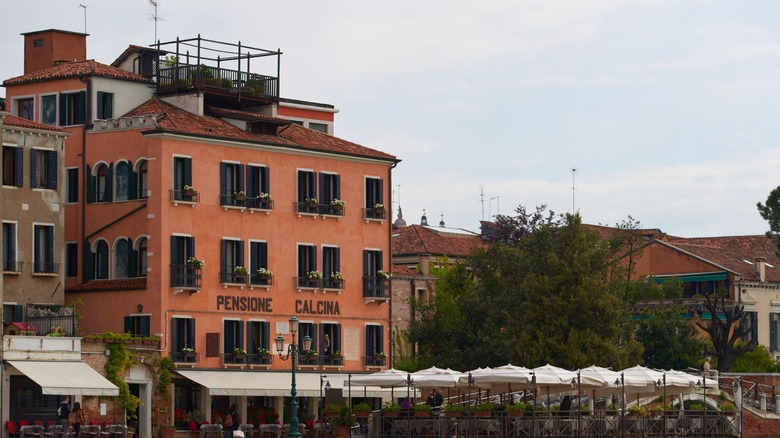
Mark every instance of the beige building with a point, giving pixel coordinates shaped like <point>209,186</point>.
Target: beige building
<point>33,216</point>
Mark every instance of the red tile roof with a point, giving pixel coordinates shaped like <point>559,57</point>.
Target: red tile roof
<point>403,271</point>
<point>606,232</point>
<point>734,253</point>
<point>19,122</point>
<point>178,120</point>
<point>417,240</point>
<point>108,285</point>
<point>75,69</point>
<point>246,115</point>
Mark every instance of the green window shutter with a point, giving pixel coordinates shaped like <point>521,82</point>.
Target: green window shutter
<point>51,157</point>
<point>128,324</point>
<point>90,186</point>
<point>19,167</point>
<point>110,183</point>
<point>63,109</point>
<point>81,116</point>
<point>145,325</point>
<point>33,168</point>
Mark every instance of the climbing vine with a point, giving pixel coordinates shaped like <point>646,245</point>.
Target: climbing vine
<point>164,367</point>
<point>118,361</point>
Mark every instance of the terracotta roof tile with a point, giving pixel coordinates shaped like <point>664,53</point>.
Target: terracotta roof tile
<point>108,285</point>
<point>19,122</point>
<point>246,115</point>
<point>417,239</point>
<point>403,271</point>
<point>75,69</point>
<point>311,139</point>
<point>735,253</point>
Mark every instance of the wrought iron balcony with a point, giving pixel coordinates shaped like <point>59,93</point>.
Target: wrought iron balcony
<point>375,213</point>
<point>308,283</point>
<point>374,361</point>
<point>185,356</point>
<point>333,361</point>
<point>259,204</point>
<point>258,280</point>
<point>375,287</point>
<point>192,76</point>
<point>306,207</point>
<point>10,266</point>
<point>309,359</point>
<point>260,359</point>
<point>186,276</point>
<point>232,278</point>
<point>185,196</point>
<point>329,283</point>
<point>45,268</point>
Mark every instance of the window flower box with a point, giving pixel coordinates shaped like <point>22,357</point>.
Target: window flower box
<point>196,262</point>
<point>189,190</point>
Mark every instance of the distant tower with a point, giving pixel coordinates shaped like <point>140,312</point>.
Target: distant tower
<point>400,222</point>
<point>424,219</point>
<point>441,222</point>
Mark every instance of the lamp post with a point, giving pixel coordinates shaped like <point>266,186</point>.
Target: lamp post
<point>737,387</point>
<point>533,412</point>
<point>622,383</point>
<point>702,384</point>
<point>323,381</point>
<point>658,383</point>
<point>292,353</point>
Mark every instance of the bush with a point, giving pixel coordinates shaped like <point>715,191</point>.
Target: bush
<point>391,407</point>
<point>484,407</point>
<point>454,407</point>
<point>422,407</point>
<point>361,407</point>
<point>516,407</point>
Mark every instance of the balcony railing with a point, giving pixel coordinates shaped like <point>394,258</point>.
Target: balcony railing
<point>185,196</point>
<point>232,278</point>
<point>259,204</point>
<point>332,210</point>
<point>329,283</point>
<point>186,276</point>
<point>186,77</point>
<point>46,268</point>
<point>308,283</point>
<point>185,357</point>
<point>260,359</point>
<point>306,207</point>
<point>375,213</point>
<point>374,287</point>
<point>11,266</point>
<point>374,361</point>
<point>233,201</point>
<point>309,359</point>
<point>257,280</point>
<point>234,359</point>
<point>332,361</point>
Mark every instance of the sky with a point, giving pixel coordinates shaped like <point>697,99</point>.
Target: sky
<point>668,110</point>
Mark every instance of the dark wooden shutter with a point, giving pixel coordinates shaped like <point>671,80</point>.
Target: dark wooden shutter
<point>63,110</point>
<point>132,262</point>
<point>263,254</point>
<point>266,334</point>
<point>265,182</point>
<point>336,341</point>
<point>223,256</point>
<point>240,178</point>
<point>132,184</point>
<point>369,341</point>
<point>322,189</point>
<point>252,189</point>
<point>175,347</point>
<point>81,114</point>
<point>129,325</point>
<point>33,168</point>
<point>36,244</point>
<point>240,258</point>
<point>187,172</point>
<point>90,185</point>
<point>103,260</point>
<point>337,259</point>
<point>337,186</point>
<point>145,325</point>
<point>174,251</point>
<point>50,245</point>
<point>19,167</point>
<point>212,344</point>
<point>366,262</point>
<point>109,195</point>
<point>51,157</point>
<point>380,192</point>
<point>191,332</point>
<point>223,180</point>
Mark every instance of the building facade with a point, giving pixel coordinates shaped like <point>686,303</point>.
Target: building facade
<point>204,210</point>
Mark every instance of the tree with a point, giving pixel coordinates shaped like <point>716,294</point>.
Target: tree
<point>726,328</point>
<point>771,213</point>
<point>670,342</point>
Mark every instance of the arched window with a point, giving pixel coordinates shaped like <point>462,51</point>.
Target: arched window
<point>143,182</point>
<point>101,260</point>
<point>102,183</point>
<point>124,184</point>
<point>122,257</point>
<point>141,257</point>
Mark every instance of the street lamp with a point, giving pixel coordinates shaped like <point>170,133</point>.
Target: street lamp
<point>323,381</point>
<point>622,383</point>
<point>292,352</point>
<point>657,384</point>
<point>702,384</point>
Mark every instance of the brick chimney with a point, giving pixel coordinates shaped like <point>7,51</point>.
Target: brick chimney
<point>761,269</point>
<point>45,48</point>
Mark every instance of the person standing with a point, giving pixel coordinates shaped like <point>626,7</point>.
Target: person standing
<point>78,419</point>
<point>233,414</point>
<point>326,345</point>
<point>64,413</point>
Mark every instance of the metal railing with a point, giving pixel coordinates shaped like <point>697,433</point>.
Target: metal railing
<point>185,196</point>
<point>375,287</point>
<point>186,276</point>
<point>12,266</point>
<point>45,268</point>
<point>183,77</point>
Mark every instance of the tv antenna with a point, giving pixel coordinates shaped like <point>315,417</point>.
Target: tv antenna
<point>154,16</point>
<point>85,16</point>
<point>573,171</point>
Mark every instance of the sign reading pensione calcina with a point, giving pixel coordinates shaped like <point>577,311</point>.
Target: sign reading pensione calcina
<point>258,304</point>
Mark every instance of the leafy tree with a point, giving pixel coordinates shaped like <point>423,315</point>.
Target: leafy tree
<point>670,341</point>
<point>726,329</point>
<point>771,213</point>
<point>625,244</point>
<point>757,360</point>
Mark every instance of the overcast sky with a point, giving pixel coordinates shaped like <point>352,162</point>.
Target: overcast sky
<point>667,109</point>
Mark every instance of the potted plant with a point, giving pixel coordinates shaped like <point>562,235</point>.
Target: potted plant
<point>337,203</point>
<point>313,278</point>
<point>636,411</point>
<point>360,409</point>
<point>515,409</point>
<point>337,354</point>
<point>454,410</point>
<point>331,410</point>
<point>239,352</point>
<point>422,410</point>
<point>264,197</point>
<point>336,278</point>
<point>240,271</point>
<point>383,275</point>
<point>312,202</point>
<point>657,410</point>
<point>343,422</point>
<point>728,409</point>
<point>196,262</point>
<point>379,208</point>
<point>239,195</point>
<point>391,409</point>
<point>264,273</point>
<point>612,409</point>
<point>484,409</point>
<point>188,352</point>
<point>189,190</point>
<point>196,416</point>
<point>584,410</point>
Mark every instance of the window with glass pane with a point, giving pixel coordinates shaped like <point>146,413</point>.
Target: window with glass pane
<point>25,108</point>
<point>49,109</point>
<point>43,256</point>
<point>374,340</point>
<point>43,169</point>
<point>72,185</point>
<point>232,336</point>
<point>122,257</point>
<point>101,261</point>
<point>9,247</point>
<point>182,334</point>
<point>141,257</point>
<point>123,177</point>
<point>12,166</point>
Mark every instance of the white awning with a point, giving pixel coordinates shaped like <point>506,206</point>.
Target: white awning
<point>276,384</point>
<point>65,378</point>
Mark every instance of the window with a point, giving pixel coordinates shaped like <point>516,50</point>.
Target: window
<point>307,262</point>
<point>9,247</point>
<point>373,192</point>
<point>183,275</point>
<point>307,329</point>
<point>71,260</point>
<point>38,42</point>
<point>43,169</point>
<point>43,251</point>
<point>142,179</point>
<point>100,260</point>
<point>322,127</point>
<point>125,184</point>
<point>73,108</point>
<point>25,108</point>
<point>330,189</point>
<point>124,259</point>
<point>105,105</point>
<point>257,181</point>
<point>182,334</point>
<point>330,264</point>
<point>233,336</point>
<point>138,325</point>
<point>182,176</point>
<point>99,185</point>
<point>49,109</point>
<point>231,180</point>
<point>258,335</point>
<point>751,320</point>
<point>140,255</point>
<point>373,286</point>
<point>232,255</point>
<point>333,334</point>
<point>72,185</point>
<point>258,258</point>
<point>307,189</point>
<point>374,340</point>
<point>12,166</point>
